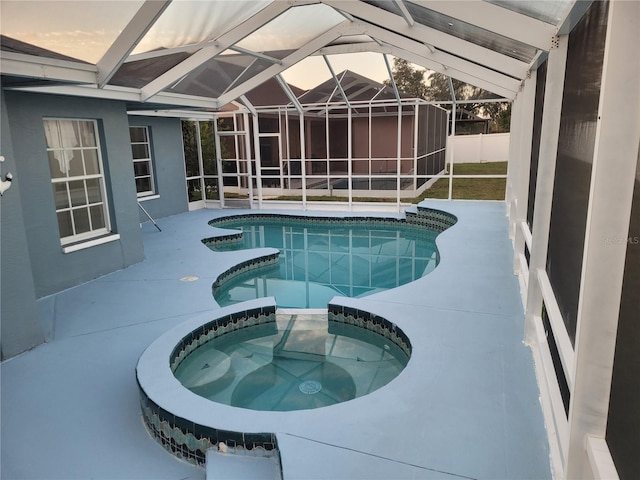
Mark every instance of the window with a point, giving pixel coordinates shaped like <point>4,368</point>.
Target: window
<point>77,178</point>
<point>142,167</point>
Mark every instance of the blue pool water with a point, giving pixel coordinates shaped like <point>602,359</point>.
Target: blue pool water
<point>320,260</point>
<point>296,363</point>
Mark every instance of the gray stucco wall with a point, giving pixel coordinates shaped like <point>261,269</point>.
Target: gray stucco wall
<point>20,329</point>
<point>168,163</point>
<point>52,269</point>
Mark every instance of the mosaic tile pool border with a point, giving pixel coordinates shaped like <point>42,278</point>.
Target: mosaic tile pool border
<point>436,220</point>
<point>244,267</point>
<point>372,322</point>
<point>223,239</point>
<point>218,327</point>
<point>189,440</point>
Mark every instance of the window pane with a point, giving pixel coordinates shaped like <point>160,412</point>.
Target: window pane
<point>93,190</point>
<point>97,217</point>
<point>140,150</point>
<point>87,134</point>
<point>194,190</point>
<point>268,125</point>
<point>76,188</point>
<point>76,168</point>
<point>269,151</point>
<point>81,220</point>
<point>64,224</point>
<point>57,163</point>
<point>60,194</point>
<point>207,143</point>
<point>141,169</point>
<point>190,144</point>
<point>211,188</point>
<point>52,134</point>
<point>143,184</point>
<point>229,166</point>
<point>73,156</point>
<point>228,147</point>
<point>138,134</point>
<point>91,165</point>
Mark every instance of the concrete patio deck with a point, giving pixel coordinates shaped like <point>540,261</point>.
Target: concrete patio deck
<point>469,406</point>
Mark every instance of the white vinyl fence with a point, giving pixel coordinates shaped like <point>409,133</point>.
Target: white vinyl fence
<point>493,147</point>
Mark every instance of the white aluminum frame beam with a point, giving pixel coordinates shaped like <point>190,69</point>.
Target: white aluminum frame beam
<point>306,50</point>
<point>257,55</point>
<point>443,59</point>
<point>221,44</point>
<point>478,81</point>
<point>573,16</point>
<point>615,160</point>
<point>391,79</point>
<point>538,287</point>
<point>496,19</point>
<point>421,54</point>
<point>426,35</point>
<point>405,13</point>
<point>128,39</point>
<point>338,82</point>
<point>123,93</point>
<point>289,93</point>
<point>31,66</point>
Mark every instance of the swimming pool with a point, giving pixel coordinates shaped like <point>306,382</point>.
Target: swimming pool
<point>198,353</point>
<point>321,258</point>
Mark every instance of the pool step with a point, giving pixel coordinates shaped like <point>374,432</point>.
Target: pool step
<point>234,466</point>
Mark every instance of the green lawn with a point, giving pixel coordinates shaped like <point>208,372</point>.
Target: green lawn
<point>463,188</point>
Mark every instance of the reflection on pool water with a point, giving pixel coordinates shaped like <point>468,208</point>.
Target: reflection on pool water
<point>298,362</point>
<point>321,260</point>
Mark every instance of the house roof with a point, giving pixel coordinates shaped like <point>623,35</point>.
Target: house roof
<point>357,88</point>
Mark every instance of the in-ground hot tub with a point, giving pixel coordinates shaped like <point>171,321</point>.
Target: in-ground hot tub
<point>352,353</point>
<point>295,362</point>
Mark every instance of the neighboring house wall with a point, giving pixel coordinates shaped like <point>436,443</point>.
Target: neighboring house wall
<point>20,329</point>
<point>53,270</point>
<point>168,165</point>
<point>492,147</point>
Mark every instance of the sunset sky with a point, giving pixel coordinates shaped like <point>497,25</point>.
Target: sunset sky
<point>85,29</point>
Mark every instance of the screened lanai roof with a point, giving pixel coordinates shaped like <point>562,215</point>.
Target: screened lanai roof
<point>205,54</point>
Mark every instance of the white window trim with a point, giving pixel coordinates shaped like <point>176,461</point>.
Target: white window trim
<point>90,243</point>
<point>148,197</point>
<point>100,233</point>
<point>152,179</point>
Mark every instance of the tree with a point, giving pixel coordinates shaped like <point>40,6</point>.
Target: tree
<point>409,80</point>
<point>503,122</point>
<point>435,88</point>
<point>499,112</point>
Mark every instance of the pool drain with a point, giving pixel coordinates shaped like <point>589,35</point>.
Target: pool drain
<point>309,387</point>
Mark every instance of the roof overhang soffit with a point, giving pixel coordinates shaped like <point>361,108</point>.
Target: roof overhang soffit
<point>30,66</point>
<point>110,92</point>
